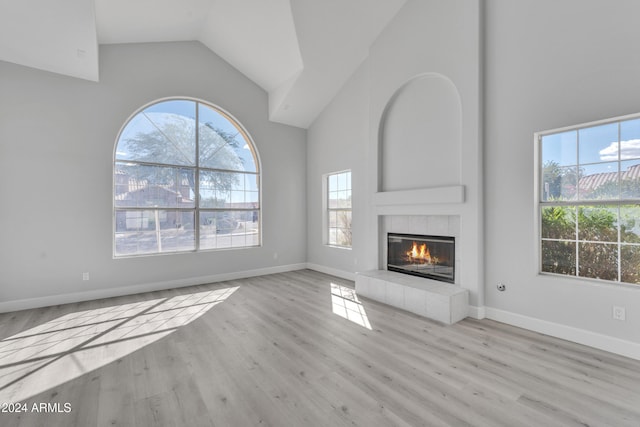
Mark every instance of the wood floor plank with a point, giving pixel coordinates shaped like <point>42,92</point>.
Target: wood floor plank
<point>290,349</point>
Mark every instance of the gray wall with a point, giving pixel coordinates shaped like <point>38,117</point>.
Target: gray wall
<point>338,140</point>
<point>551,64</point>
<point>57,138</point>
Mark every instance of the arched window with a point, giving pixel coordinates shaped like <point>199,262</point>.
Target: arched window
<point>186,177</point>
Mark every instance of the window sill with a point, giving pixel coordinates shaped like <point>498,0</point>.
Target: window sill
<point>593,281</point>
<point>348,248</point>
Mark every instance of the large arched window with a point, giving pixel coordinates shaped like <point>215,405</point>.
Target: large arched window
<point>186,177</point>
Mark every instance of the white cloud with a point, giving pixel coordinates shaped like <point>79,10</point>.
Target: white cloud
<point>629,150</point>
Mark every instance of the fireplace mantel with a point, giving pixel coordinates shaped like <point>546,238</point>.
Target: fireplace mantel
<point>419,197</point>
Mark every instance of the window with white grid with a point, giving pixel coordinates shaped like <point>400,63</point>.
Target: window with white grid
<point>338,213</point>
<point>186,177</point>
<point>589,200</point>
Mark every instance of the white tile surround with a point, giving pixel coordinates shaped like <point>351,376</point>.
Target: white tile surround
<point>432,225</point>
<point>436,211</point>
<point>435,300</point>
<point>444,302</point>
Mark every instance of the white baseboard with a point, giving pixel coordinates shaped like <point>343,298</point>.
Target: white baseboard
<point>603,342</point>
<point>332,271</point>
<point>24,304</point>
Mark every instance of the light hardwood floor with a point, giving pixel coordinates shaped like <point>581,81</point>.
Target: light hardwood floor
<point>291,349</point>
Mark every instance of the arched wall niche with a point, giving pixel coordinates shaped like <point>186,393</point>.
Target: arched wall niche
<point>420,135</point>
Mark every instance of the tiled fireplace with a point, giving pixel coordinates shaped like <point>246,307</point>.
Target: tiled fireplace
<point>446,226</point>
<point>432,257</point>
<point>445,302</point>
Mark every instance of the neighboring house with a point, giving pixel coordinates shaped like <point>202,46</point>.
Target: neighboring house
<point>138,193</point>
<point>135,193</point>
<point>589,183</point>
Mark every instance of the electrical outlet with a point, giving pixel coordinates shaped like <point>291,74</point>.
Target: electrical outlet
<point>619,313</point>
<point>85,276</point>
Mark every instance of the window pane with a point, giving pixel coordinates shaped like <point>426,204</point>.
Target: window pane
<point>342,181</point>
<point>153,231</point>
<point>333,236</point>
<point>251,185</point>
<point>558,183</point>
<point>218,188</point>
<point>225,223</point>
<point>598,144</point>
<point>207,230</point>
<point>251,182</point>
<point>215,229</point>
<point>333,182</point>
<point>333,199</point>
<point>630,179</point>
<point>221,194</point>
<point>343,237</point>
<point>252,228</point>
<point>598,223</point>
<point>333,219</point>
<point>218,150</point>
<point>222,145</point>
<point>598,260</point>
<point>599,181</point>
<point>560,149</point>
<point>162,133</point>
<point>630,223</point>
<point>558,222</point>
<point>344,199</point>
<point>343,219</point>
<point>177,232</point>
<point>238,240</point>
<point>253,197</point>
<point>559,257</point>
<point>228,229</point>
<point>630,139</point>
<point>158,186</point>
<point>133,220</point>
<point>630,263</point>
<point>237,199</point>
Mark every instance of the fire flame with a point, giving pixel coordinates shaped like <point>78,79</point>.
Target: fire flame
<point>419,253</point>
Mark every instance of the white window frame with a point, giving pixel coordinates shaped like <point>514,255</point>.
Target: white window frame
<point>539,203</point>
<point>327,209</point>
<point>197,168</point>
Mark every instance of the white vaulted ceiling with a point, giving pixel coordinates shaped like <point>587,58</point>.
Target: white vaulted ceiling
<point>50,35</point>
<point>300,51</point>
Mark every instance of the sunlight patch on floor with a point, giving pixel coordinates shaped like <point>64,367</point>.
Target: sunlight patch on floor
<point>65,348</point>
<point>345,303</point>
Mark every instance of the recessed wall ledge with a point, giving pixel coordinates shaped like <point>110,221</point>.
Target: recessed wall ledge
<point>421,196</point>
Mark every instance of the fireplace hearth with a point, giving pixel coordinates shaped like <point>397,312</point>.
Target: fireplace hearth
<point>432,257</point>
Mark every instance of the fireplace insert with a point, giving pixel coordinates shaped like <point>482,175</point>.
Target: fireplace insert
<point>425,256</point>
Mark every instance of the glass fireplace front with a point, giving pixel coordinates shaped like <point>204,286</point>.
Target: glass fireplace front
<point>419,255</point>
